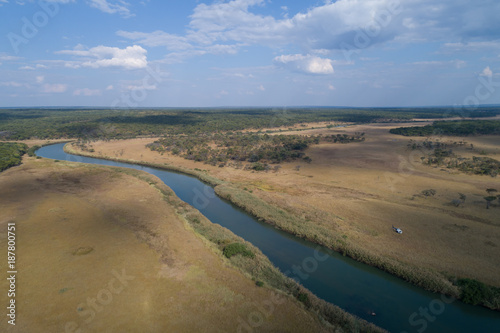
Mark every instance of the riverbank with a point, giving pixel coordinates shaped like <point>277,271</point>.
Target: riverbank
<point>257,268</point>
<point>96,258</point>
<point>333,202</point>
<point>297,226</point>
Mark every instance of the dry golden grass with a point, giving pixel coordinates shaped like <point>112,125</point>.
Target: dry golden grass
<point>360,190</point>
<point>78,226</point>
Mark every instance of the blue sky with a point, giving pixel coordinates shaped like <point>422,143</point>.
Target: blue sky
<point>115,53</point>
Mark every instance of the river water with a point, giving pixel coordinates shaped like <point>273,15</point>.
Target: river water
<point>364,291</point>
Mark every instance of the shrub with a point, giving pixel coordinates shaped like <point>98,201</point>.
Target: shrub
<point>430,192</point>
<point>237,248</point>
<point>259,284</point>
<point>303,298</point>
<point>258,167</point>
<point>473,292</point>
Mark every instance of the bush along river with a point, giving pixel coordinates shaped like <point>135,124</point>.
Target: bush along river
<point>364,291</point>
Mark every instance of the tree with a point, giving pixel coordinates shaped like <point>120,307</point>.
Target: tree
<point>462,197</point>
<point>489,199</point>
<point>491,190</point>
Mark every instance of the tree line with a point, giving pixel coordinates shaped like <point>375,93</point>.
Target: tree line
<point>456,128</point>
<point>104,124</point>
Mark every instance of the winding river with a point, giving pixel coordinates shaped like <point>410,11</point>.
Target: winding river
<point>362,290</point>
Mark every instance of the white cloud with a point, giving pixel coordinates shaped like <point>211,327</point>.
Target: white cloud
<point>331,87</point>
<point>487,72</point>
<point>261,88</point>
<point>131,57</point>
<point>54,88</point>
<point>40,79</point>
<point>110,87</point>
<point>87,92</point>
<point>228,26</point>
<point>120,7</point>
<point>305,63</point>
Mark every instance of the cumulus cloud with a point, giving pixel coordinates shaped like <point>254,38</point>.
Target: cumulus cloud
<point>305,63</point>
<point>131,57</point>
<point>487,72</point>
<point>230,25</point>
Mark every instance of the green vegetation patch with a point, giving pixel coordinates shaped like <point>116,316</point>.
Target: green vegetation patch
<point>235,148</point>
<point>458,128</point>
<point>11,154</point>
<point>237,248</point>
<point>441,154</point>
<point>476,165</point>
<point>475,292</point>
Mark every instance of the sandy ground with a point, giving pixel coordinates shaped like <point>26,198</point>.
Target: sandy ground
<point>101,251</point>
<point>361,189</point>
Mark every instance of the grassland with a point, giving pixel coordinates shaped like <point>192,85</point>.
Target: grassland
<point>81,227</point>
<point>351,195</point>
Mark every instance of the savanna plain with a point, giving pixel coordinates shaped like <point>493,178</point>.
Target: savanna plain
<point>339,178</point>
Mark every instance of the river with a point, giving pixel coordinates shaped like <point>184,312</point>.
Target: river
<point>358,288</point>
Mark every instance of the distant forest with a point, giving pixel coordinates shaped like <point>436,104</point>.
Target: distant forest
<point>94,124</point>
<point>457,128</point>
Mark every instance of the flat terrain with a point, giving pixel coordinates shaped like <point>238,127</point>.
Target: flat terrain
<point>359,190</point>
<point>101,251</point>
